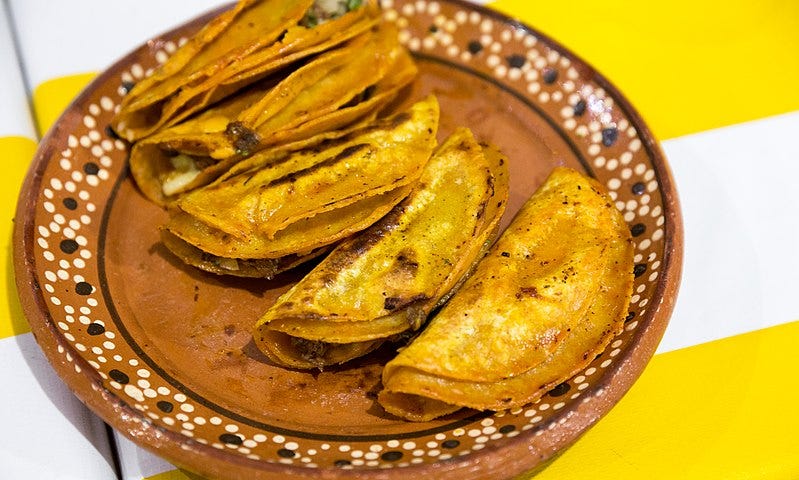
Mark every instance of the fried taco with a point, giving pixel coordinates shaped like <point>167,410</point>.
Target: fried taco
<point>248,220</point>
<point>384,282</point>
<point>331,93</point>
<point>547,299</point>
<point>243,45</point>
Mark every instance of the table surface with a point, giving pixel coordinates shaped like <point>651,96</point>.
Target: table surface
<point>715,81</point>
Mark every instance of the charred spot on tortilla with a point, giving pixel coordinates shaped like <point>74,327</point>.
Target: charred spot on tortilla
<point>394,303</point>
<point>406,261</point>
<point>527,292</point>
<point>244,140</point>
<point>362,96</point>
<point>350,151</point>
<point>398,120</point>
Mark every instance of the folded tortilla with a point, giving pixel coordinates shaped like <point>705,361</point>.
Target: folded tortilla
<point>251,268</point>
<point>305,200</point>
<point>386,280</point>
<point>241,46</point>
<point>186,237</point>
<point>547,299</point>
<point>336,90</point>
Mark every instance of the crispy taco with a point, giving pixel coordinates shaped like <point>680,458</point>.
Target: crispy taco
<point>386,280</point>
<point>547,299</point>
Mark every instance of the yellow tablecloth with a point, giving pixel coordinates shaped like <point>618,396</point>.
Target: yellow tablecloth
<point>720,404</point>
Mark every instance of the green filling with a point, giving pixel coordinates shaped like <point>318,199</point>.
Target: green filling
<point>323,10</point>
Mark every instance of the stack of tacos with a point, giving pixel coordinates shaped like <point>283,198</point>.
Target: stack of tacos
<point>275,210</point>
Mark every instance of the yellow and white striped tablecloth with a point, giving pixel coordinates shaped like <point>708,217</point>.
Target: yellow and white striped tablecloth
<point>717,83</point>
<point>46,431</point>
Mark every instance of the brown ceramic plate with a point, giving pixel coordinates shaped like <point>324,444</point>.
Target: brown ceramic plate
<point>163,353</point>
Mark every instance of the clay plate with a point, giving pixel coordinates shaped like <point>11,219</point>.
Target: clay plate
<point>163,353</point>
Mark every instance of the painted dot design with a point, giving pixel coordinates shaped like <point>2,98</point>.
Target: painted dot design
<point>81,174</point>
